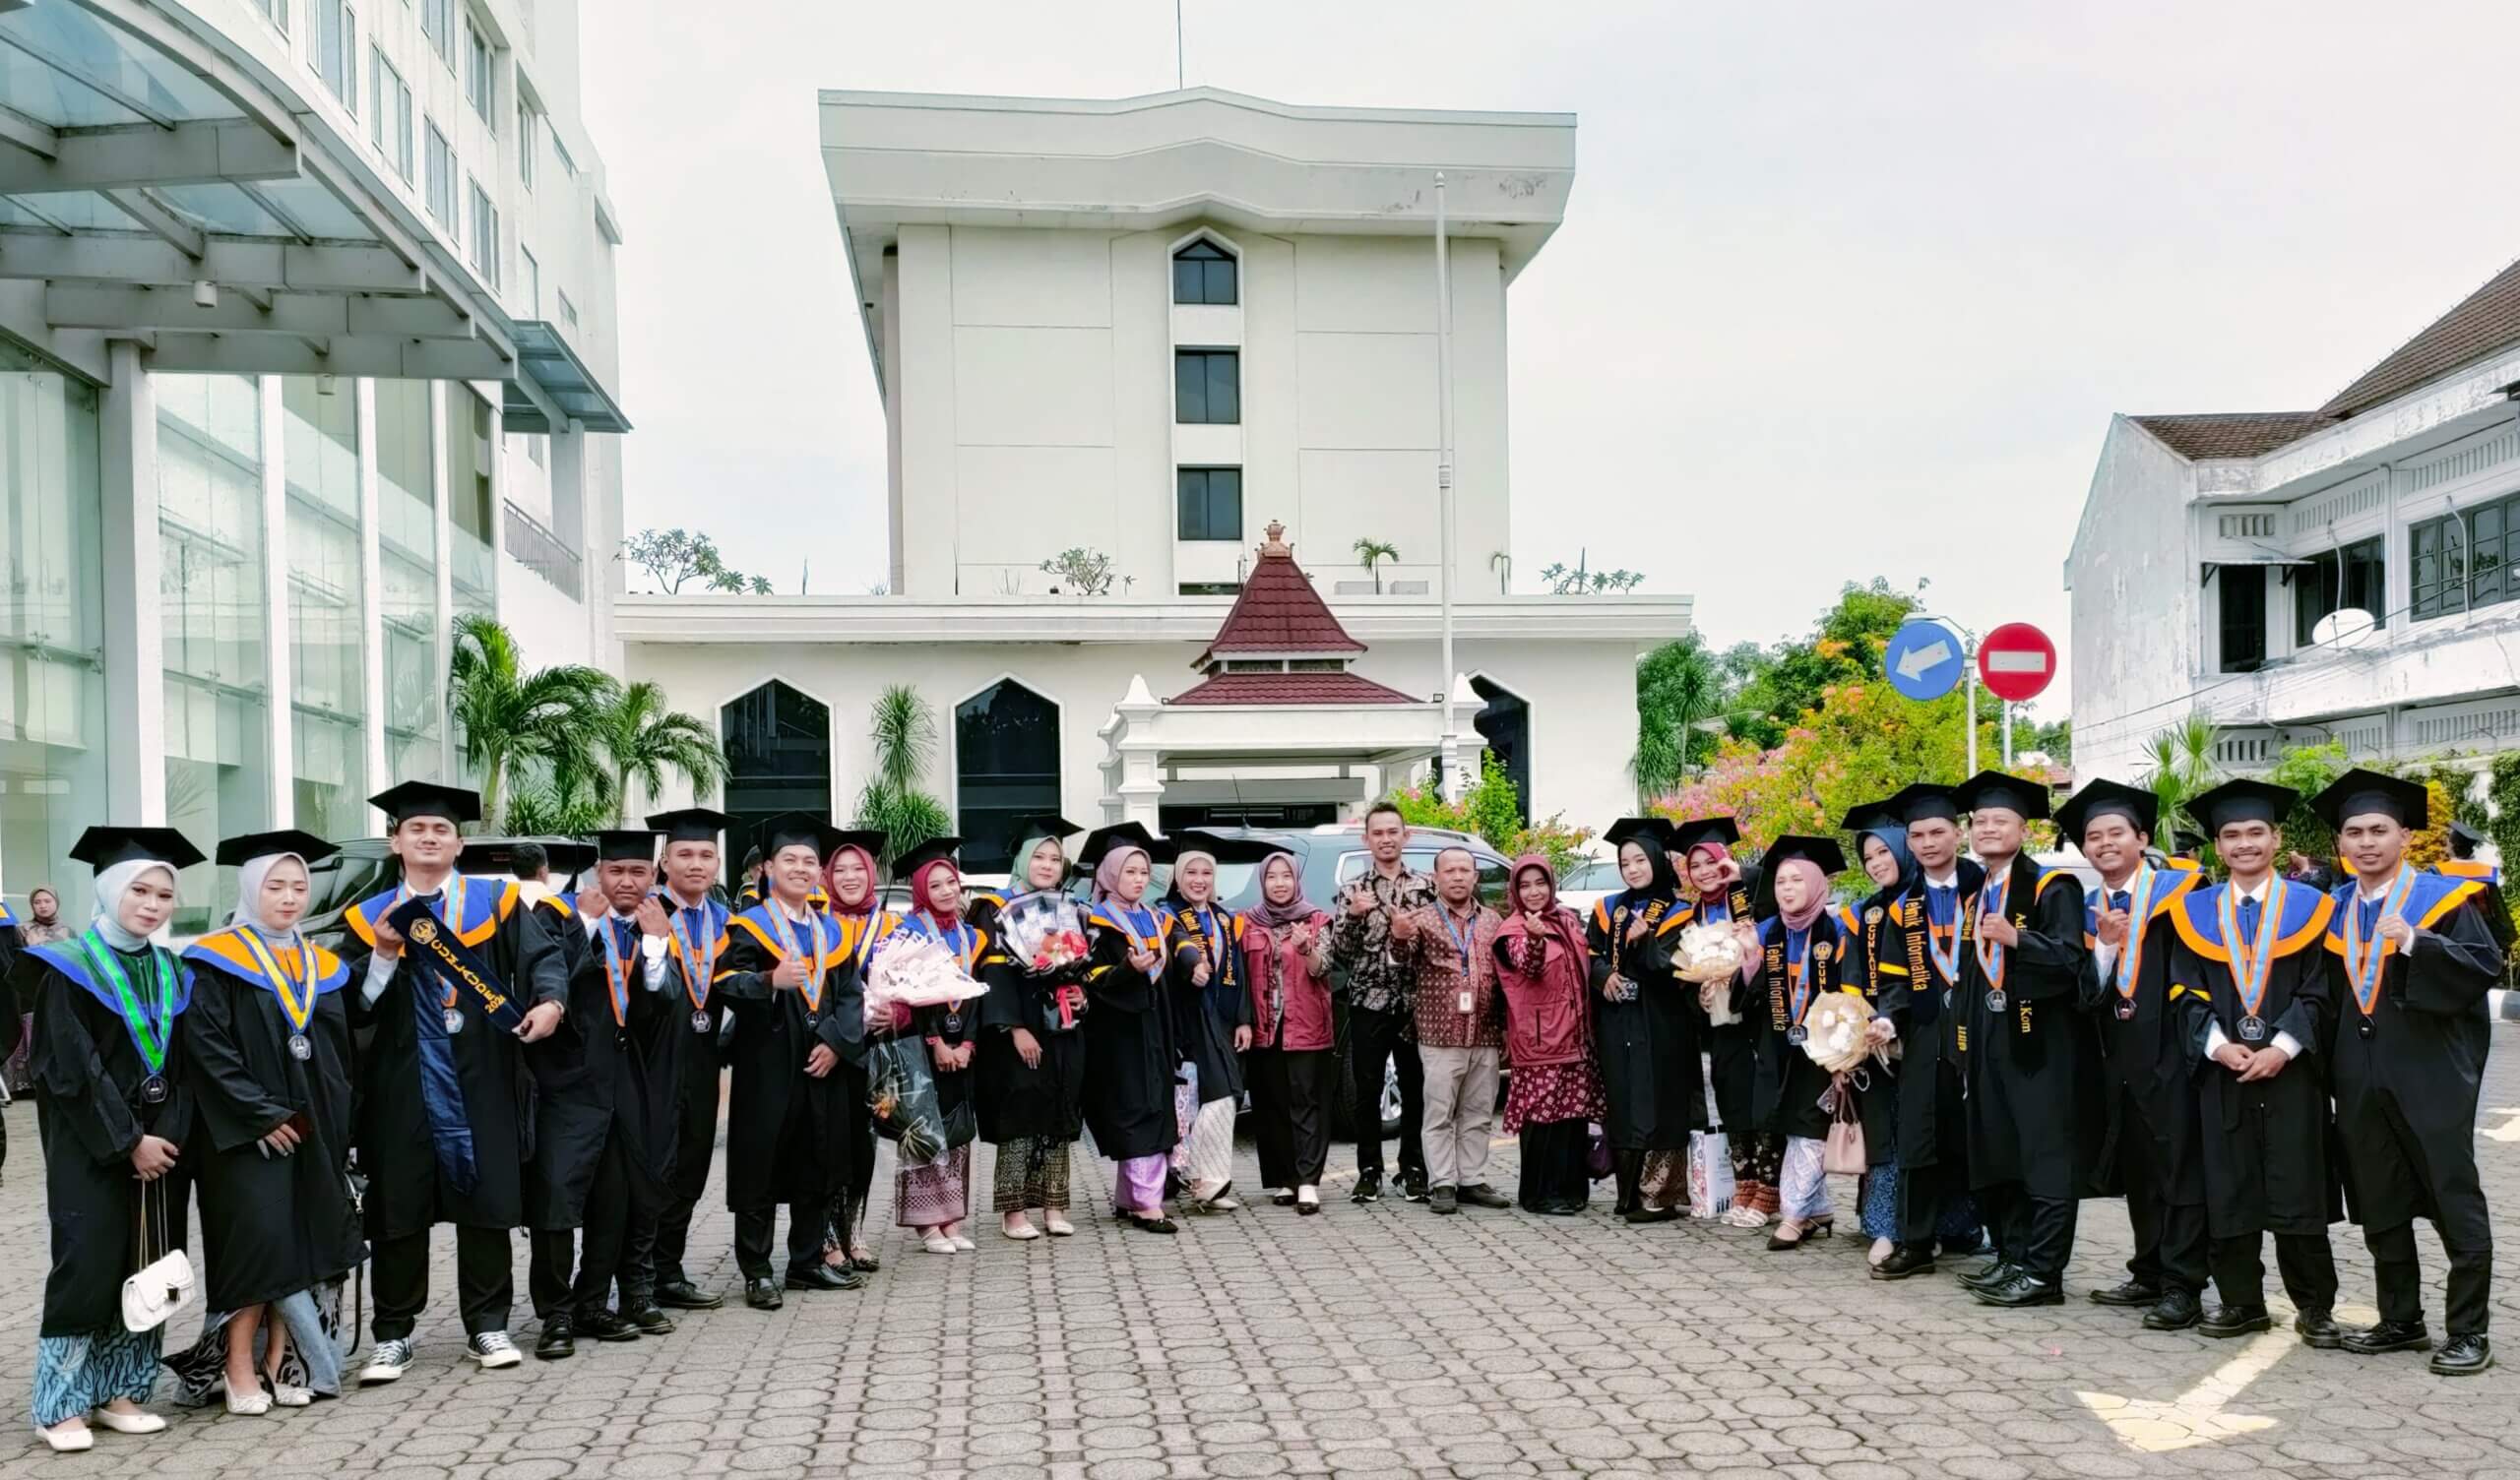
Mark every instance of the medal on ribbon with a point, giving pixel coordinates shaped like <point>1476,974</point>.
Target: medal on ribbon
<point>2130,957</point>
<point>697,965</point>
<point>2252,960</point>
<point>149,1031</point>
<point>449,905</point>
<point>2365,959</point>
<point>296,1011</point>
<point>1990,957</point>
<point>1947,962</point>
<point>616,972</point>
<point>785,930</point>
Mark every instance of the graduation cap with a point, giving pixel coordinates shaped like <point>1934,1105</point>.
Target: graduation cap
<point>2189,840</point>
<point>1823,851</point>
<point>1685,835</point>
<point>2464,841</point>
<point>1885,815</point>
<point>867,840</point>
<point>633,844</point>
<point>1224,849</point>
<point>792,830</point>
<point>1924,802</point>
<point>569,859</point>
<point>1657,828</point>
<point>689,825</point>
<point>236,852</point>
<point>933,850</point>
<point>429,799</point>
<point>100,848</point>
<point>2242,801</point>
<point>2361,793</point>
<point>1100,842</point>
<point>1992,788</point>
<point>1038,826</point>
<point>2102,799</point>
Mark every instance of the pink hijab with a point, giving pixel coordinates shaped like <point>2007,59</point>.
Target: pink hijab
<point>1107,874</point>
<point>1816,885</point>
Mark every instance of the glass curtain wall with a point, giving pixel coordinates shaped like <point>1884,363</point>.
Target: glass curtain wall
<point>470,428</point>
<point>406,547</point>
<point>328,690</point>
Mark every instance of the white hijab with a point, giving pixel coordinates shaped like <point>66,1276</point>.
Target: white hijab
<point>112,883</point>
<point>251,875</point>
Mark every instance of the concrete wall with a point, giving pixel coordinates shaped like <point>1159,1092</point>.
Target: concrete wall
<point>2134,597</point>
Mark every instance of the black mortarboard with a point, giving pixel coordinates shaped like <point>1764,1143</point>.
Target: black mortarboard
<point>567,859</point>
<point>1224,849</point>
<point>689,825</point>
<point>2189,840</point>
<point>234,851</point>
<point>413,800</point>
<point>2100,799</point>
<point>869,841</point>
<point>100,848</point>
<point>1039,825</point>
<point>1657,828</point>
<point>1875,817</point>
<point>1925,802</point>
<point>1823,851</point>
<point>635,845</point>
<point>2242,801</point>
<point>1992,788</point>
<point>1101,840</point>
<point>2360,793</point>
<point>796,828</point>
<point>2464,840</point>
<point>1685,835</point>
<point>923,854</point>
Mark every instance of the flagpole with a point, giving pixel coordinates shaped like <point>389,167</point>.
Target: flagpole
<point>1450,785</point>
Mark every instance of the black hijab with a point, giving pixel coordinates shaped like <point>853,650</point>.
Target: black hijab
<point>1662,888</point>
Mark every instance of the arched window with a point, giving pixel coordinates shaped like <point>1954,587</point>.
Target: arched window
<point>1006,767</point>
<point>1506,723</point>
<point>1205,273</point>
<point>777,760</point>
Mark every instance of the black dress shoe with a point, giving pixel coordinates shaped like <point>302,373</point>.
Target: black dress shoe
<point>1444,1199</point>
<point>1156,1223</point>
<point>1906,1261</point>
<point>825,1277</point>
<point>2463,1357</point>
<point>683,1295</point>
<point>1369,1189</point>
<point>2227,1320</point>
<point>559,1339</point>
<point>761,1292</point>
<point>1481,1195</point>
<point>2388,1337</point>
<point>605,1325</point>
<point>2176,1310</point>
<point>2132,1292</point>
<point>1282,1200</point>
<point>2318,1332</point>
<point>2021,1290</point>
<point>2002,1271</point>
<point>1558,1207</point>
<point>1644,1214</point>
<point>650,1320</point>
<point>865,1264</point>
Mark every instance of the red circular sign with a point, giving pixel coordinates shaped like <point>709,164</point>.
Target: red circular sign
<point>2017,661</point>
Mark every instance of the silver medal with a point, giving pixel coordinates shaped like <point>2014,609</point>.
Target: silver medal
<point>1797,1035</point>
<point>453,1020</point>
<point>299,1049</point>
<point>1994,1002</point>
<point>700,1021</point>
<point>2125,1011</point>
<point>2252,1029</point>
<point>153,1091</point>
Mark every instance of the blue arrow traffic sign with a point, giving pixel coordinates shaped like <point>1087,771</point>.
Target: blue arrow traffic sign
<point>1926,659</point>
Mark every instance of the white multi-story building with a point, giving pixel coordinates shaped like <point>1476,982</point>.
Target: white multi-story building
<point>1149,328</point>
<point>2212,548</point>
<point>306,347</point>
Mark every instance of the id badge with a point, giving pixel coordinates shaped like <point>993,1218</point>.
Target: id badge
<point>1461,1003</point>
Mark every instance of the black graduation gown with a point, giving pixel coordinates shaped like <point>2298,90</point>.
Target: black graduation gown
<point>270,1226</point>
<point>1019,1101</point>
<point>958,1023</point>
<point>1731,1048</point>
<point>786,1131</point>
<point>1651,1076</point>
<point>89,1118</point>
<point>1204,1017</point>
<point>407,1193</point>
<point>2031,1070</point>
<point>2424,1064</point>
<point>2265,1144</point>
<point>2145,1059</point>
<point>1785,1098</point>
<point>599,1079</point>
<point>1129,1057</point>
<point>692,1062</point>
<point>1916,996</point>
<point>1869,939</point>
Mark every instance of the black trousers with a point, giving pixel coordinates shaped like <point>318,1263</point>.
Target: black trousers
<point>1290,1091</point>
<point>1928,1195</point>
<point>695,1145</point>
<point>1373,1039</point>
<point>562,1278</point>
<point>2401,1277</point>
<point>484,1280</point>
<point>807,1221</point>
<point>2169,1240</point>
<point>2305,1261</point>
<point>858,1185</point>
<point>2035,1233</point>
<point>1554,1169</point>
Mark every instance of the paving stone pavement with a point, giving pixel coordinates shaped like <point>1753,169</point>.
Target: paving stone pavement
<point>1377,1340</point>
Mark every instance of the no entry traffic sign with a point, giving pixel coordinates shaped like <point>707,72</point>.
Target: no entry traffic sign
<point>2017,661</point>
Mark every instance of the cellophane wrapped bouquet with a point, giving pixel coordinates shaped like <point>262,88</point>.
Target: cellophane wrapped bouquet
<point>913,970</point>
<point>1836,1038</point>
<point>1709,952</point>
<point>1044,932</point>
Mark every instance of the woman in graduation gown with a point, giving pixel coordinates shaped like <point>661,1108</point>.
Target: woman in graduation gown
<point>1211,1012</point>
<point>1879,950</point>
<point>1645,1033</point>
<point>266,1058</point>
<point>1794,957</point>
<point>109,1058</point>
<point>1031,1067</point>
<point>934,1198</point>
<point>848,893</point>
<point>1129,1057</point>
<point>1719,889</point>
<point>792,989</point>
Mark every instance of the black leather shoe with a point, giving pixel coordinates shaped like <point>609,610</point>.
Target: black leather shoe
<point>761,1292</point>
<point>2002,1271</point>
<point>1444,1199</point>
<point>2021,1290</point>
<point>559,1339</point>
<point>650,1320</point>
<point>865,1264</point>
<point>2176,1310</point>
<point>683,1295</point>
<point>1369,1189</point>
<point>2132,1292</point>
<point>2318,1332</point>
<point>605,1325</point>
<point>826,1277</point>
<point>2390,1336</point>
<point>1906,1261</point>
<point>1481,1195</point>
<point>2463,1357</point>
<point>2224,1322</point>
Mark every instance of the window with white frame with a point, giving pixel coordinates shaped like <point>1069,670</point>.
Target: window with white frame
<point>275,12</point>
<point>529,280</point>
<point>479,84</point>
<point>437,23</point>
<point>528,139</point>
<point>568,310</point>
<point>439,186</point>
<point>485,235</point>
<point>336,50</point>
<point>393,136</point>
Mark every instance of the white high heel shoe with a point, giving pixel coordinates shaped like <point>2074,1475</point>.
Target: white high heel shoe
<point>288,1397</point>
<point>252,1405</point>
<point>130,1423</point>
<point>64,1440</point>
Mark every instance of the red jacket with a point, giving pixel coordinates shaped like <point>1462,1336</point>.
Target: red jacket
<point>1547,1013</point>
<point>1289,988</point>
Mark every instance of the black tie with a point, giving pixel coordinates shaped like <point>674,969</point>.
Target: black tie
<point>2121,900</point>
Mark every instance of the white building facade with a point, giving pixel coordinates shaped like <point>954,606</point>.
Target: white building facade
<point>1146,329</point>
<point>2213,549</point>
<point>306,349</point>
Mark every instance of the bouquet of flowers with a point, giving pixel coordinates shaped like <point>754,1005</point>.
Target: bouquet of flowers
<point>913,970</point>
<point>1836,1023</point>
<point>901,1100</point>
<point>1044,932</point>
<point>1709,952</point>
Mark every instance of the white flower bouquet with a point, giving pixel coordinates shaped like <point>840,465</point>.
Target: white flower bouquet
<point>913,970</point>
<point>1708,951</point>
<point>1835,1028</point>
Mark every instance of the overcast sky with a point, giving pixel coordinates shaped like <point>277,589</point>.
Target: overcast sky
<point>1843,290</point>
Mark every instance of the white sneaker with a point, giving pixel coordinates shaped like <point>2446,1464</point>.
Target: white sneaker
<point>493,1349</point>
<point>386,1362</point>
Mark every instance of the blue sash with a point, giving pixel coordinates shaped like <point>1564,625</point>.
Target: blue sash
<point>443,959</point>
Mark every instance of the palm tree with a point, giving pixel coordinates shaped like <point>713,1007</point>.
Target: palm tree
<point>538,726</point>
<point>2183,762</point>
<point>642,740</point>
<point>904,731</point>
<point>1678,686</point>
<point>1370,552</point>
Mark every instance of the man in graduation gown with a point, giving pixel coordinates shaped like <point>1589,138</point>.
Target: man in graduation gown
<point>696,927</point>
<point>1926,934</point>
<point>2019,1029</point>
<point>2250,980</point>
<point>2151,1103</point>
<point>2410,1039</point>
<point>799,1019</point>
<point>446,1101</point>
<point>2462,864</point>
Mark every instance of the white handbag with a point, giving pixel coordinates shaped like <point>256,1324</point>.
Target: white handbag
<point>164,1285</point>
